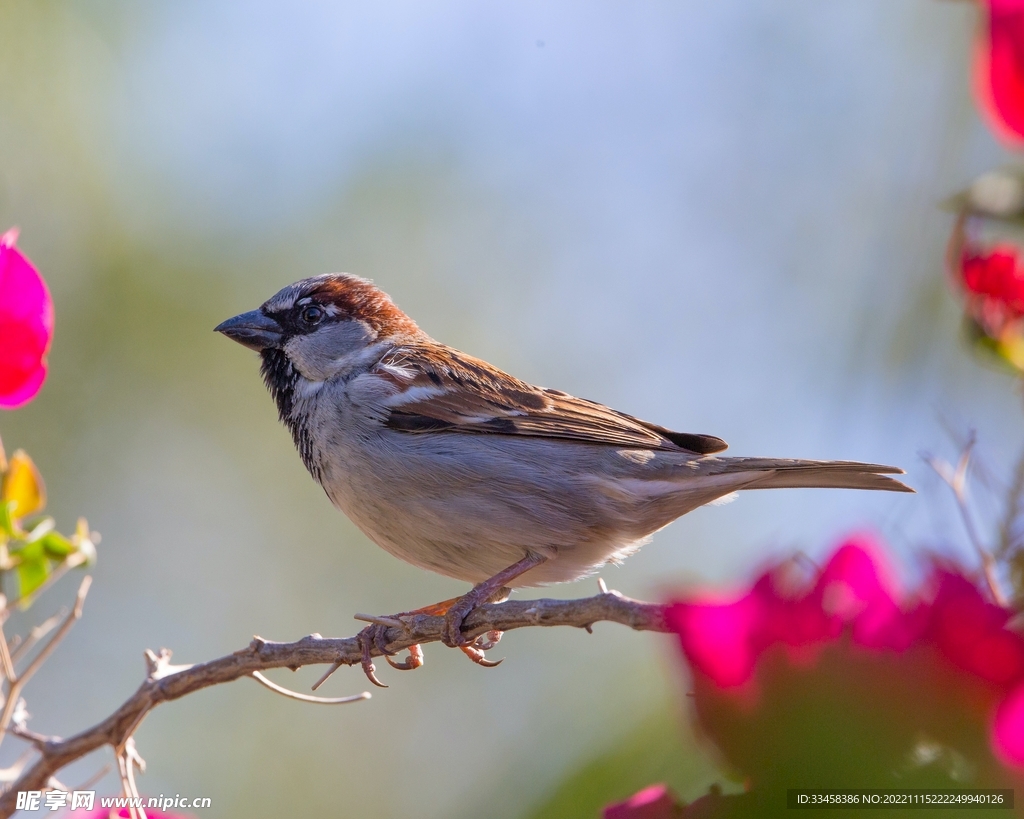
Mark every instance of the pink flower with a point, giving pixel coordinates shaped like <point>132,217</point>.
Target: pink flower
<point>724,640</point>
<point>654,802</point>
<point>999,69</point>
<point>26,325</point>
<point>1008,729</point>
<point>936,663</point>
<point>721,639</point>
<point>972,633</point>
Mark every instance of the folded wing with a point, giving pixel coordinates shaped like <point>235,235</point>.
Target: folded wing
<point>458,393</point>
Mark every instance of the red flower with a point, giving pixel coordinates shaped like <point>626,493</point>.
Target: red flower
<point>992,280</point>
<point>995,275</point>
<point>843,644</point>
<point>26,325</point>
<point>999,69</point>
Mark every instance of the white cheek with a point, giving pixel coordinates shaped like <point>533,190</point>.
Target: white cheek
<point>334,349</point>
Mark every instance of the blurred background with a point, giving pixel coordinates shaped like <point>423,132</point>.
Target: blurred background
<point>720,217</point>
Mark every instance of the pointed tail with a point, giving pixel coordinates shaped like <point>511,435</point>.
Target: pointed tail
<point>780,473</point>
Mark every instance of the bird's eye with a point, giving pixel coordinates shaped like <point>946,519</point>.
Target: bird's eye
<point>312,314</point>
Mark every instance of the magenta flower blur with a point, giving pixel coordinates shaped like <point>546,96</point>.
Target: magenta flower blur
<point>724,640</point>
<point>653,802</point>
<point>26,325</point>
<point>944,663</point>
<point>999,69</point>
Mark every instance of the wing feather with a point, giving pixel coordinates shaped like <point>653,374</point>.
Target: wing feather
<point>444,390</point>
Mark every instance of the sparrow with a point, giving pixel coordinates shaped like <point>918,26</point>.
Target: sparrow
<point>457,467</point>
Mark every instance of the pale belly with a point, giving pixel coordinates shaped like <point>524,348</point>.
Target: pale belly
<point>472,505</point>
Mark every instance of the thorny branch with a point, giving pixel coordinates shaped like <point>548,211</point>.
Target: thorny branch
<point>165,682</point>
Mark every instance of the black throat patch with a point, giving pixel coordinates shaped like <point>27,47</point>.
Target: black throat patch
<point>281,378</point>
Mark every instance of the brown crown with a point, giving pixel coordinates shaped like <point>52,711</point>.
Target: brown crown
<point>361,299</point>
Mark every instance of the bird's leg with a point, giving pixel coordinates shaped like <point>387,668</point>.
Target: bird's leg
<point>460,609</point>
<point>375,636</point>
<point>454,611</point>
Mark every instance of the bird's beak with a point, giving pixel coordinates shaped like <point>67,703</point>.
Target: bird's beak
<point>253,330</point>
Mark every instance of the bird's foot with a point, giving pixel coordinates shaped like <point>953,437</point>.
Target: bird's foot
<point>492,590</point>
<point>370,638</point>
<point>375,636</point>
<point>451,632</point>
<point>458,611</point>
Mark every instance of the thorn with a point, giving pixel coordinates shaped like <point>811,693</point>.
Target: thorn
<point>390,622</point>
<point>325,677</point>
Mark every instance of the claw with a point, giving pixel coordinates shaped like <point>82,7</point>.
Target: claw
<point>410,663</point>
<point>369,671</point>
<point>365,639</point>
<point>477,656</point>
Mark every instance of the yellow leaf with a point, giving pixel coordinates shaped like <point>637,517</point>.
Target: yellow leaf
<point>1011,349</point>
<point>23,484</point>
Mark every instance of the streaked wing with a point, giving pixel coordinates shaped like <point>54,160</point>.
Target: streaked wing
<point>446,390</point>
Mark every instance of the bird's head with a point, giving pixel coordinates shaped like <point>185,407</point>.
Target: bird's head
<point>318,329</point>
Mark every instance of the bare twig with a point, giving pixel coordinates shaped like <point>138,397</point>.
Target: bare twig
<point>37,634</point>
<point>60,634</point>
<point>18,683</point>
<point>956,479</point>
<point>162,685</point>
<point>12,773</point>
<point>1009,537</point>
<point>127,758</point>
<point>5,656</point>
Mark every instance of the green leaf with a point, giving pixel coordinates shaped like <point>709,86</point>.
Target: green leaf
<point>26,549</point>
<point>6,521</point>
<point>32,573</point>
<point>56,545</point>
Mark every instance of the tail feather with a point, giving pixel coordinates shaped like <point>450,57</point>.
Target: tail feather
<point>781,473</point>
